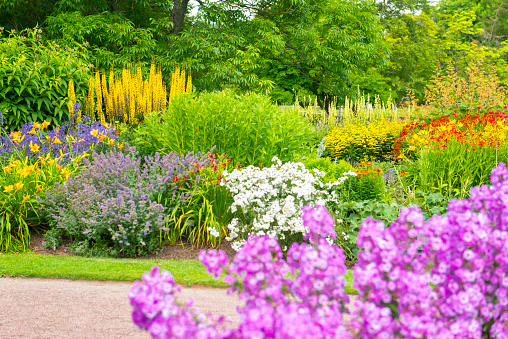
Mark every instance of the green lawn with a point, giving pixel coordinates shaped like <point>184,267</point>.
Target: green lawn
<point>186,272</point>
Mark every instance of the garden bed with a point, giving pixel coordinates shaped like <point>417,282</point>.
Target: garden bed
<point>182,251</point>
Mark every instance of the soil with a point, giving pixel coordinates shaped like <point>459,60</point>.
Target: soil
<point>183,251</point>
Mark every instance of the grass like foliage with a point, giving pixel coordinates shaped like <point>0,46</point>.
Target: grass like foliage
<point>247,128</point>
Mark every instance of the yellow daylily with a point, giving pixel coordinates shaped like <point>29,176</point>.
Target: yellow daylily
<point>34,147</point>
<point>102,137</point>
<point>18,185</point>
<point>94,133</point>
<point>56,141</point>
<point>66,173</point>
<point>45,124</point>
<point>25,198</point>
<point>110,142</point>
<point>25,172</point>
<point>38,188</point>
<point>37,125</point>
<point>7,169</point>
<point>8,189</point>
<point>85,155</point>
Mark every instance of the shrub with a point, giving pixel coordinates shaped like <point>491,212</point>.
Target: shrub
<point>300,297</point>
<point>34,77</point>
<point>247,128</point>
<point>117,207</point>
<point>270,200</point>
<point>354,141</point>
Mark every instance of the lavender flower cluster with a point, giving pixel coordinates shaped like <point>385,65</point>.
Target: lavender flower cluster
<point>444,278</point>
<point>114,203</point>
<point>310,305</point>
<point>64,142</point>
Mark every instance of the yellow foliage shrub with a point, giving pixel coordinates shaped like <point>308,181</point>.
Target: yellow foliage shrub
<point>357,141</point>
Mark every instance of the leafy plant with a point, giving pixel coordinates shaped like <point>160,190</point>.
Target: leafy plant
<point>247,128</point>
<point>356,141</point>
<point>34,77</point>
<point>333,169</point>
<point>269,200</point>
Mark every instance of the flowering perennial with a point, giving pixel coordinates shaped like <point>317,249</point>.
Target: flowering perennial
<point>272,199</point>
<point>445,278</point>
<point>276,306</point>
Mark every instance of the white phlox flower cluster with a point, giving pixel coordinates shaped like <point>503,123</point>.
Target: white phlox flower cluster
<point>272,198</point>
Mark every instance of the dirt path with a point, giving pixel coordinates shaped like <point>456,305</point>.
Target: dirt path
<point>59,308</point>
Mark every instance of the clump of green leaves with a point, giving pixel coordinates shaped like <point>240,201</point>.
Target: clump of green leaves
<point>34,77</point>
<point>247,128</point>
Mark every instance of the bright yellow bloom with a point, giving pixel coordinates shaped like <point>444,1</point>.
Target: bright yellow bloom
<point>102,137</point>
<point>120,146</point>
<point>38,188</point>
<point>34,147</point>
<point>26,198</point>
<point>66,173</point>
<point>56,141</point>
<point>37,125</point>
<point>7,169</point>
<point>25,172</point>
<point>8,189</point>
<point>32,131</point>
<point>110,142</point>
<point>85,154</point>
<point>94,133</point>
<point>51,162</point>
<point>17,137</point>
<point>45,124</point>
<point>18,185</point>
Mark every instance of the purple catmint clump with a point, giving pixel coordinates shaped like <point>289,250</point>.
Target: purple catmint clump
<point>301,297</point>
<point>118,205</point>
<point>444,278</point>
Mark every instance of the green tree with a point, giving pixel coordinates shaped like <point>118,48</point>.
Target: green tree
<point>317,43</point>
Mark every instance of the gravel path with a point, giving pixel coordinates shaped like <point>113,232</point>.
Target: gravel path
<point>59,308</point>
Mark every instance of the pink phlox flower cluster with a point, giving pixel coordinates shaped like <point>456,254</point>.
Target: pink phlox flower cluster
<point>301,297</point>
<point>156,310</point>
<point>444,278</point>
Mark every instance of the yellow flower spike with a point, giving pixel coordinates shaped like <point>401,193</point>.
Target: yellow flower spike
<point>34,147</point>
<point>25,198</point>
<point>45,124</point>
<point>18,186</point>
<point>8,189</point>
